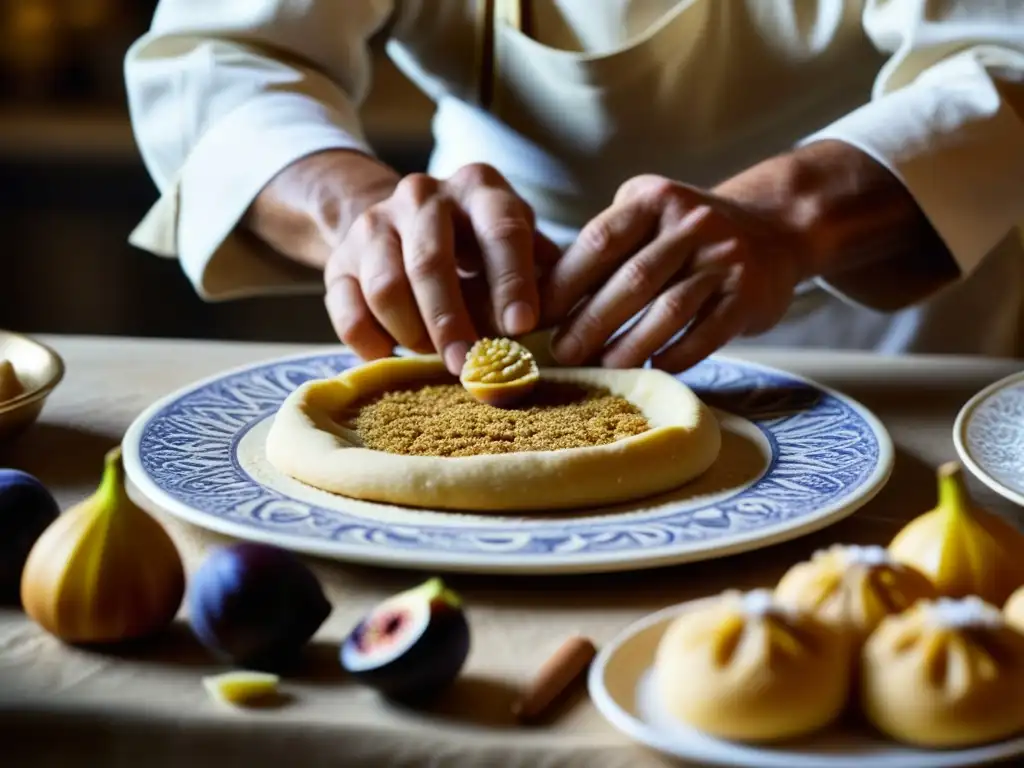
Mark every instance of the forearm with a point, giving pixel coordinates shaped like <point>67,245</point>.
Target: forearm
<point>305,211</point>
<point>853,218</point>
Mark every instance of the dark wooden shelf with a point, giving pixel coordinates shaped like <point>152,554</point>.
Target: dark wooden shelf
<point>105,135</point>
<point>67,134</point>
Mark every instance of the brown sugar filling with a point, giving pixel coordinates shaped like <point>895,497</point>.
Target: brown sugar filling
<point>445,420</point>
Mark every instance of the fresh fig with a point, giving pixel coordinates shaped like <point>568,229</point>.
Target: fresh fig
<point>256,605</point>
<point>412,645</point>
<point>104,571</point>
<point>26,510</point>
<point>963,549</point>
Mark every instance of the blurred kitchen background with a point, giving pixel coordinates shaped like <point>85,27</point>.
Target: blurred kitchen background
<point>72,185</point>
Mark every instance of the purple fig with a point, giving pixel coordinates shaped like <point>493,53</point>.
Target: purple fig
<point>26,510</point>
<point>256,605</point>
<point>412,645</point>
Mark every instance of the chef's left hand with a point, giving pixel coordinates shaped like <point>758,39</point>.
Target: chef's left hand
<point>697,259</point>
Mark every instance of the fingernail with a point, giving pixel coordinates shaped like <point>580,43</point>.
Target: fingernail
<point>518,318</point>
<point>455,356</point>
<point>566,350</point>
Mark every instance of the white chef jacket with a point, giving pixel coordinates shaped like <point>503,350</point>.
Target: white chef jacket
<point>224,94</point>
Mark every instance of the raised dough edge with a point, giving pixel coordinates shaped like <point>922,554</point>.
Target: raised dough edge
<point>684,441</point>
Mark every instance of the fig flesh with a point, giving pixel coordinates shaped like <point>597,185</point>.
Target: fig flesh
<point>256,605</point>
<point>411,646</point>
<point>26,510</point>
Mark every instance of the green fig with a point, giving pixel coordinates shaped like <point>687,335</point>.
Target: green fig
<point>104,571</point>
<point>963,549</point>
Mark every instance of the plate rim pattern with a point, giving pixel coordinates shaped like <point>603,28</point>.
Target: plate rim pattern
<point>961,438</point>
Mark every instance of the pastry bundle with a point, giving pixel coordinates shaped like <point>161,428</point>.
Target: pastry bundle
<point>911,637</point>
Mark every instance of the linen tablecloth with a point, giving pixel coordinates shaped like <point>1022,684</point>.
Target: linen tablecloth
<point>62,706</point>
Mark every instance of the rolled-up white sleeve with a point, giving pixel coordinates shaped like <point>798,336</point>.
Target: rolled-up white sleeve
<point>947,115</point>
<point>223,95</point>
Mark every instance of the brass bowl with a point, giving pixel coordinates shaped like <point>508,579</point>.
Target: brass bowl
<point>39,369</point>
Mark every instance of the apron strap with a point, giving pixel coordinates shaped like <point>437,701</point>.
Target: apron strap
<point>491,16</point>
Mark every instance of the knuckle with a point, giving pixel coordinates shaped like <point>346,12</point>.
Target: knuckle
<point>517,208</point>
<point>354,326</point>
<point>724,256</point>
<point>443,321</point>
<point>637,277</point>
<point>505,230</point>
<point>423,261</point>
<point>586,326</point>
<point>477,175</point>
<point>417,188</point>
<point>384,288</point>
<point>334,269</point>
<point>644,185</point>
<point>682,216</point>
<point>596,237</point>
<point>509,284</point>
<point>631,350</point>
<point>371,222</point>
<point>673,306</point>
<point>660,189</point>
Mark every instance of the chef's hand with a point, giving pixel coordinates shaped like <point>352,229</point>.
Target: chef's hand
<point>435,265</point>
<point>701,263</point>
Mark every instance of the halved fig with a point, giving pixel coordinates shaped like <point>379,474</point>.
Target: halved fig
<point>412,645</point>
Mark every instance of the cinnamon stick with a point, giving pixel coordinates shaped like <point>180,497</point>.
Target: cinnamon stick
<point>555,677</point>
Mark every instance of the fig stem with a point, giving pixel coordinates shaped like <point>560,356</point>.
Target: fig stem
<point>953,492</point>
<point>438,590</point>
<point>111,486</point>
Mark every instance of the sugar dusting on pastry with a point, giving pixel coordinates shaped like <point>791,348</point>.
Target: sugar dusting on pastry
<point>963,613</point>
<point>870,555</point>
<point>760,603</point>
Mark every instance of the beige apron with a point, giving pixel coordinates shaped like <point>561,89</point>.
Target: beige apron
<point>643,108</point>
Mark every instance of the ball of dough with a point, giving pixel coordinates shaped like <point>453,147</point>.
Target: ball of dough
<point>947,673</point>
<point>1013,610</point>
<point>853,588</point>
<point>743,667</point>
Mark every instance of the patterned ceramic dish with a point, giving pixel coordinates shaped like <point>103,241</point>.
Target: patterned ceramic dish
<point>39,369</point>
<point>989,437</point>
<point>795,458</point>
<point>620,685</point>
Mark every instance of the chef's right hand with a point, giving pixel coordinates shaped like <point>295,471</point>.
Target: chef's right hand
<point>427,266</point>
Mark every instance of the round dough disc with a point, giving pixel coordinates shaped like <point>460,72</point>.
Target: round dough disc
<point>308,444</point>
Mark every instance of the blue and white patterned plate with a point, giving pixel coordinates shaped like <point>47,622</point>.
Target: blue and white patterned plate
<point>795,458</point>
<point>989,436</point>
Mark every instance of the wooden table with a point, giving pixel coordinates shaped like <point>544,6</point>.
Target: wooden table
<point>64,706</point>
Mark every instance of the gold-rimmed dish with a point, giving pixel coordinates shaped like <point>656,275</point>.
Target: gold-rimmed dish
<point>39,369</point>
